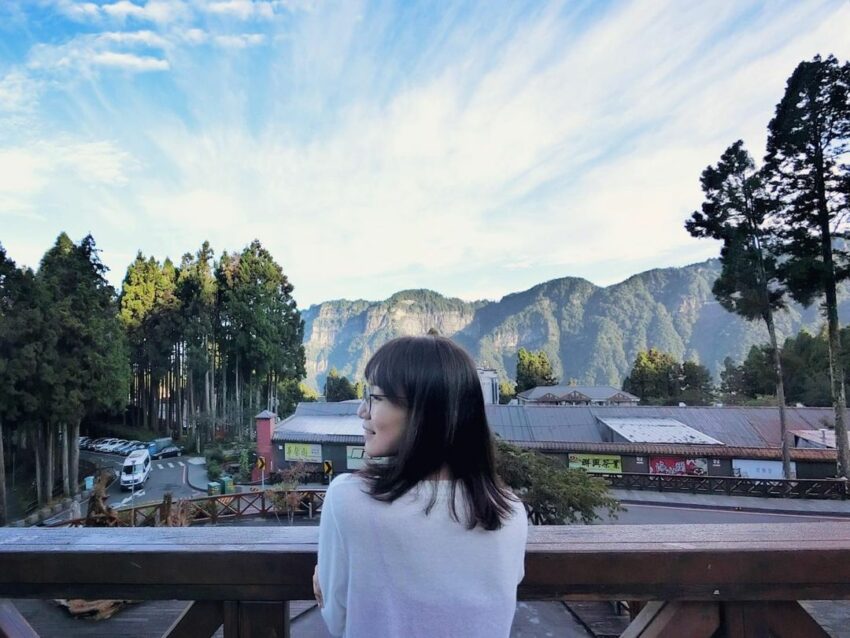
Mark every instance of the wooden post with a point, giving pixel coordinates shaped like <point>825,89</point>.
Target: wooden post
<point>250,619</point>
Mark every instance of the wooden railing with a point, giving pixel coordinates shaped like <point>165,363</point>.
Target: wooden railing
<point>832,489</point>
<point>703,581</point>
<point>214,509</point>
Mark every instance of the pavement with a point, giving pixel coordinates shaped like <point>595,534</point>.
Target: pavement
<point>812,507</point>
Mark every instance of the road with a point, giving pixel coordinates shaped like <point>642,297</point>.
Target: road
<point>167,475</point>
<point>652,514</point>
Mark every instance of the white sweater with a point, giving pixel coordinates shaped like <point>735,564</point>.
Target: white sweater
<point>387,569</point>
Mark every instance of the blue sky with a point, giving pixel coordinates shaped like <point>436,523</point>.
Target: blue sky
<point>472,148</point>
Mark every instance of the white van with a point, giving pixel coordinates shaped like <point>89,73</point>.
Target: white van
<point>137,468</point>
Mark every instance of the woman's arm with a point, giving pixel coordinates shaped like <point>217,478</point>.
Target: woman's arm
<point>333,567</point>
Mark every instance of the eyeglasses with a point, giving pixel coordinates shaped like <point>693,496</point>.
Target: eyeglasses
<point>368,396</point>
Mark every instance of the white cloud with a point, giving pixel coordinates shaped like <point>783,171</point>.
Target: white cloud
<point>241,9</point>
<point>157,11</point>
<point>18,92</point>
<point>141,38</point>
<point>241,41</point>
<point>86,53</point>
<point>503,146</point>
<point>128,61</point>
<point>28,173</point>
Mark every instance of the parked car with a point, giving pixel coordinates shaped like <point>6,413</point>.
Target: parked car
<point>101,444</point>
<point>95,444</point>
<point>125,448</point>
<point>112,445</point>
<point>82,441</point>
<point>171,450</point>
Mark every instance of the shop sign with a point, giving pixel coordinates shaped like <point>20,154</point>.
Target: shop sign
<point>304,452</point>
<point>674,465</point>
<point>596,463</point>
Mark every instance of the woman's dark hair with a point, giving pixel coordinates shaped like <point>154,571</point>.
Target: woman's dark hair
<point>435,380</point>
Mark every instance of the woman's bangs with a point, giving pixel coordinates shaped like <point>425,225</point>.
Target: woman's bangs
<point>388,369</point>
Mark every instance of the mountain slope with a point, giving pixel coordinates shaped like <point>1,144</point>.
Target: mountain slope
<point>591,333</point>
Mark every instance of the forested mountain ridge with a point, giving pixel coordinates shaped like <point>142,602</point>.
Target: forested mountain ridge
<point>591,333</point>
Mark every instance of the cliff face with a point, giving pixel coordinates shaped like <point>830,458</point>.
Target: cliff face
<point>590,333</point>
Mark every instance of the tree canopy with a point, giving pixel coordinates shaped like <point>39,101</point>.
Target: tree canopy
<point>553,494</point>
<point>533,369</point>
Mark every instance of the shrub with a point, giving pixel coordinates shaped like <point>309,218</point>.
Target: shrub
<point>213,470</point>
<point>553,494</point>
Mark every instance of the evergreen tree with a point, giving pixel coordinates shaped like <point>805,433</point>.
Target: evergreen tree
<point>22,378</point>
<point>808,141</point>
<point>736,211</point>
<point>655,377</point>
<point>507,392</point>
<point>533,369</point>
<point>90,371</point>
<point>338,387</point>
<point>697,384</point>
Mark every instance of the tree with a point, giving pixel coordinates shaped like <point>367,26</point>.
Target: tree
<point>338,387</point>
<point>697,384</point>
<point>655,377</point>
<point>807,146</point>
<point>507,392</point>
<point>90,358</point>
<point>552,494</point>
<point>736,211</point>
<point>290,393</point>
<point>21,380</point>
<point>533,369</point>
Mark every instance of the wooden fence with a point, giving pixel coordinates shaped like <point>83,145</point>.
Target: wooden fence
<point>832,489</point>
<point>699,581</point>
<point>214,509</point>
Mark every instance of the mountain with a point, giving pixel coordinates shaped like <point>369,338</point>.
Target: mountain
<point>591,333</point>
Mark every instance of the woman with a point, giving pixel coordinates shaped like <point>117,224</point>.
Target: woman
<point>428,542</point>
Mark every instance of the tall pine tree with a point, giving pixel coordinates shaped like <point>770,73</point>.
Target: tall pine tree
<point>736,211</point>
<point>807,163</point>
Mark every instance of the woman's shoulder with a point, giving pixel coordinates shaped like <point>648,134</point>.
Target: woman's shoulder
<point>346,484</point>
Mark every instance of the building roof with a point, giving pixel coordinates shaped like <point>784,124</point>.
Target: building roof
<point>576,392</point>
<point>823,437</point>
<point>656,430</point>
<point>734,431</point>
<point>318,421</point>
<point>266,414</point>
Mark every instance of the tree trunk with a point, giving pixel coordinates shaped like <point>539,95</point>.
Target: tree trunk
<point>836,369</point>
<point>780,397</point>
<point>3,513</point>
<point>66,452</point>
<point>50,463</point>
<point>37,436</point>
<point>75,458</point>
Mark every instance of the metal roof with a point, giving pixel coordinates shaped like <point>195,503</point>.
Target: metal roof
<point>655,430</point>
<point>339,408</point>
<point>592,392</point>
<point>321,425</point>
<point>579,428</point>
<point>823,437</point>
<point>306,437</point>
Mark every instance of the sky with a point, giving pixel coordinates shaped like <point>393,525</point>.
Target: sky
<point>475,149</point>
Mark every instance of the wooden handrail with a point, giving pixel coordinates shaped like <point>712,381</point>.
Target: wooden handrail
<point>715,565</point>
<point>635,562</point>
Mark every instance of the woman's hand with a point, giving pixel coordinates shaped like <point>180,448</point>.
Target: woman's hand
<point>317,591</point>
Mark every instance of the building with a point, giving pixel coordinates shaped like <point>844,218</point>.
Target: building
<point>489,379</point>
<point>714,441</point>
<point>577,395</point>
